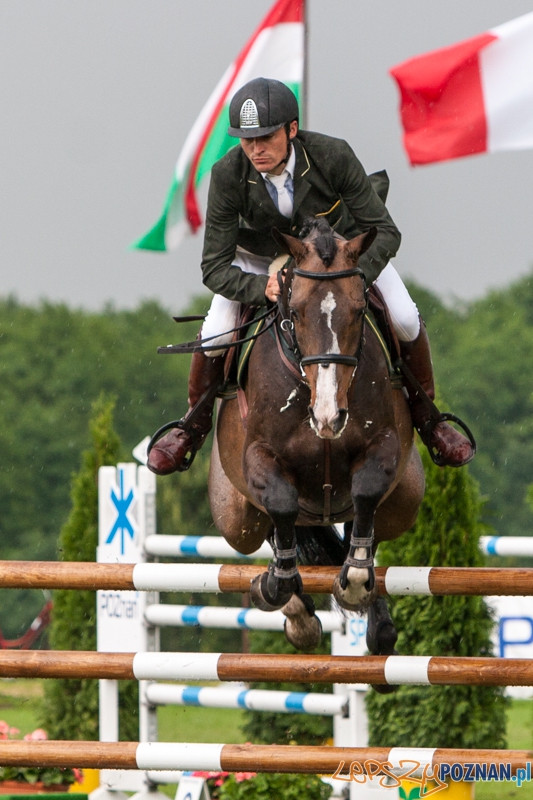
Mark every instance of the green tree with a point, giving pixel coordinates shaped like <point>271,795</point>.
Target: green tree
<point>482,351</point>
<point>70,708</point>
<point>446,534</point>
<point>55,361</point>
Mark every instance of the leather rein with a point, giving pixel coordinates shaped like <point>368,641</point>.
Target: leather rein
<point>276,314</point>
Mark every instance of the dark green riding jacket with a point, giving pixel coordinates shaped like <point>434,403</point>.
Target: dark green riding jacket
<point>329,181</point>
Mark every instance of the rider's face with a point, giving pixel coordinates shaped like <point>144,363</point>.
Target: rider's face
<point>265,152</point>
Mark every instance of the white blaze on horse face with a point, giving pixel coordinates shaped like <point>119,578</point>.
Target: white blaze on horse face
<point>325,409</point>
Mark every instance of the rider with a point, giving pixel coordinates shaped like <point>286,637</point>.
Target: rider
<point>278,177</point>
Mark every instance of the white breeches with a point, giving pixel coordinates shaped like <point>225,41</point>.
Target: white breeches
<point>222,315</point>
<point>402,309</point>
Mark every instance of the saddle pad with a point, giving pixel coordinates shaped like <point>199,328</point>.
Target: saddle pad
<point>244,351</point>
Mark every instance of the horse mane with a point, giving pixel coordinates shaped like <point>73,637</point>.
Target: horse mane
<point>320,233</point>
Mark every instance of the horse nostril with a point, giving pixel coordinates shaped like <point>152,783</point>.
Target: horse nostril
<point>341,420</point>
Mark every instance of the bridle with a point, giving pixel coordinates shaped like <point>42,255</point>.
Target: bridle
<point>286,323</point>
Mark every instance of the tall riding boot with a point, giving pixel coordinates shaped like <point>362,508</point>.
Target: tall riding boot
<point>169,453</point>
<point>453,448</point>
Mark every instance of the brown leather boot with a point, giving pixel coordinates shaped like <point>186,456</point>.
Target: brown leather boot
<point>454,449</point>
<point>169,454</point>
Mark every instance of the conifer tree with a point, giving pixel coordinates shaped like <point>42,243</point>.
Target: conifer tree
<point>70,708</point>
<point>446,534</point>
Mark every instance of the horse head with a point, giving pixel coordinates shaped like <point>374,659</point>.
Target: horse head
<point>325,300</point>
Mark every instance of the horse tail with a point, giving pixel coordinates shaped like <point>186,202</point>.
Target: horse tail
<point>319,545</point>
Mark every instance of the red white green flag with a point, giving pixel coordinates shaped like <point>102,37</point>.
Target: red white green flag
<point>276,50</point>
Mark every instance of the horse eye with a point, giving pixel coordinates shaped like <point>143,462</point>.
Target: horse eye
<point>294,314</point>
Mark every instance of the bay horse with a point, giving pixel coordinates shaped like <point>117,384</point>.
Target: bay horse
<point>322,434</point>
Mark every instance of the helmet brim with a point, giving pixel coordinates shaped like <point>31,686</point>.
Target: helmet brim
<point>253,133</point>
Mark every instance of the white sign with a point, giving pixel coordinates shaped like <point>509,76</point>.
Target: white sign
<point>513,633</point>
<point>191,788</point>
<point>126,516</point>
<point>126,509</point>
<point>120,621</point>
<point>118,515</point>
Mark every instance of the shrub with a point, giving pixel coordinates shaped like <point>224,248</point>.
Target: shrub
<point>70,707</point>
<point>446,534</point>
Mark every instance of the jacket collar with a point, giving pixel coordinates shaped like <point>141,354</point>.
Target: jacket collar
<point>301,170</point>
<point>258,192</point>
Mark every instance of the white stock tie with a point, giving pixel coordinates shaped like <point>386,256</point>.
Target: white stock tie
<point>285,204</point>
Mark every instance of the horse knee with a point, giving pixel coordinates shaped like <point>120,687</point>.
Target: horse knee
<point>280,500</point>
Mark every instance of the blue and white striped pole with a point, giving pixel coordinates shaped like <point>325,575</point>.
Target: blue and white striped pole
<point>231,618</point>
<point>507,545</point>
<point>160,694</point>
<point>199,547</point>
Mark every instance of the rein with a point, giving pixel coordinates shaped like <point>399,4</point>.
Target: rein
<point>198,344</point>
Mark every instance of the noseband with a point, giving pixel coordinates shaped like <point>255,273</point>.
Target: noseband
<point>287,324</point>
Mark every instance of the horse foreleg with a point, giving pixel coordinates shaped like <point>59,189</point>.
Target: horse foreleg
<point>266,483</point>
<point>243,525</point>
<point>355,586</point>
<point>281,585</point>
<point>381,636</point>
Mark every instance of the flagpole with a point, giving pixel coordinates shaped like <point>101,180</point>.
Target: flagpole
<point>304,115</point>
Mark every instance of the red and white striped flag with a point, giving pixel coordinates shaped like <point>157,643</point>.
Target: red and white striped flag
<point>276,50</point>
<point>472,97</point>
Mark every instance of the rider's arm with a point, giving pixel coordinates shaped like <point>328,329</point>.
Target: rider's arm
<point>367,209</point>
<point>220,241</point>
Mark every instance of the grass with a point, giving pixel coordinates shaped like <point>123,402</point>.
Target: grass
<point>19,707</point>
<point>519,737</point>
<point>19,703</point>
<point>190,724</point>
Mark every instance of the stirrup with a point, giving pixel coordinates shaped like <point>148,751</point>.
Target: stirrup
<point>182,425</point>
<point>431,424</point>
<point>187,424</point>
<point>359,563</point>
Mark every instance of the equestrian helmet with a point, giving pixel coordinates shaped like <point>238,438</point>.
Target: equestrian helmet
<point>261,107</point>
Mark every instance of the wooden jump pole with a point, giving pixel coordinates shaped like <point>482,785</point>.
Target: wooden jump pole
<point>250,667</point>
<point>483,581</point>
<point>243,757</point>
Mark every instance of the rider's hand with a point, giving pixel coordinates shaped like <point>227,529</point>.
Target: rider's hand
<point>272,291</point>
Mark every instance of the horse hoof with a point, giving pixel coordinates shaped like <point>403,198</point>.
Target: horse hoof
<point>354,597</point>
<point>261,597</point>
<point>302,627</point>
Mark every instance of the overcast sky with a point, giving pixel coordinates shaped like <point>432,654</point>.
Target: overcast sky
<point>97,98</point>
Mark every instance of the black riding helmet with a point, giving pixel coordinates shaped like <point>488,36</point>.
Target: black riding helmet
<point>261,107</point>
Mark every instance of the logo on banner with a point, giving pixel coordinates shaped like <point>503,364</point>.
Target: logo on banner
<point>122,504</point>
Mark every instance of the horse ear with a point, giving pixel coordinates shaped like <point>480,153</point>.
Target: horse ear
<point>290,244</point>
<point>361,243</point>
